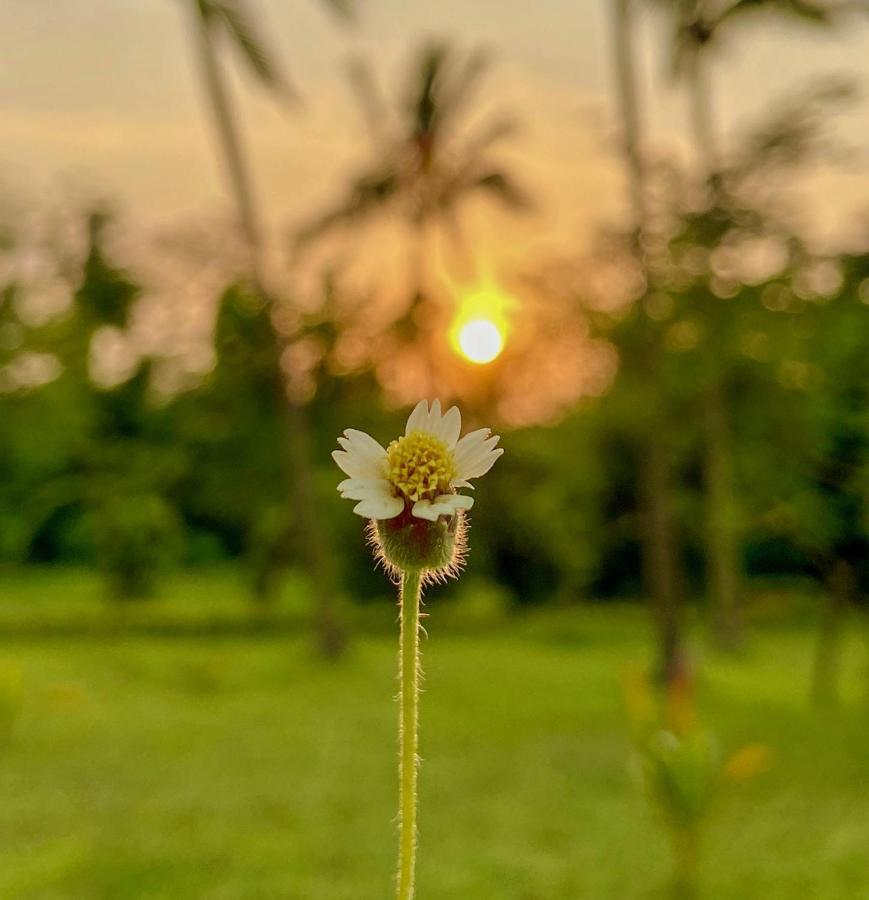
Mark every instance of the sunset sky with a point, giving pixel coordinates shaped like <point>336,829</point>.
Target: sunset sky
<point>104,94</point>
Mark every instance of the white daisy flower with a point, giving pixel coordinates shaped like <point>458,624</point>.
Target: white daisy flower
<point>419,471</point>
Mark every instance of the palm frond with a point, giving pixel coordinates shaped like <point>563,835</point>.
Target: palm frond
<point>489,133</point>
<point>797,132</point>
<point>239,23</point>
<point>368,194</point>
<point>461,80</point>
<point>815,12</point>
<point>369,98</point>
<point>421,101</point>
<point>504,189</point>
<point>343,9</point>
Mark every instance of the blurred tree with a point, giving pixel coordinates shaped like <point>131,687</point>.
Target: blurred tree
<point>818,497</point>
<point>233,425</point>
<point>45,423</point>
<point>544,544</point>
<point>428,161</point>
<point>655,465</point>
<point>232,20</point>
<point>697,29</point>
<point>88,463</point>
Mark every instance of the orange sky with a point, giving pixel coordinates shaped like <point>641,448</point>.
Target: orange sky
<point>102,94</point>
<point>100,97</point>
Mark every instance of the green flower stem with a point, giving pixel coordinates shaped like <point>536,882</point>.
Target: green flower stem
<point>409,730</point>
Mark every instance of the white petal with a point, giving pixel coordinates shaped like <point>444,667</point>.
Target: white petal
<point>461,483</point>
<point>362,443</point>
<point>434,417</point>
<point>364,488</point>
<point>444,505</point>
<point>449,427</point>
<point>418,419</point>
<point>356,466</point>
<point>469,443</point>
<point>480,465</point>
<point>471,457</point>
<point>379,508</point>
<point>362,456</point>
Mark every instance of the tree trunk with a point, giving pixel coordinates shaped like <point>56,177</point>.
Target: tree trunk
<point>655,473</point>
<point>313,541</point>
<point>840,586</point>
<point>226,129</point>
<point>659,554</point>
<point>721,539</point>
<point>331,637</point>
<point>702,119</point>
<point>630,108</point>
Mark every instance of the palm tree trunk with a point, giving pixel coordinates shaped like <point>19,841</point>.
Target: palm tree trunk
<point>840,586</point>
<point>313,543</point>
<point>659,554</point>
<point>630,108</point>
<point>330,634</point>
<point>230,145</point>
<point>702,118</point>
<point>722,545</point>
<point>655,476</point>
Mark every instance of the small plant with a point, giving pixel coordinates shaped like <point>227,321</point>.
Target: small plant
<point>683,770</point>
<point>408,492</point>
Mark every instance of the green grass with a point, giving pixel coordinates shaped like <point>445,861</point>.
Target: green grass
<point>242,767</point>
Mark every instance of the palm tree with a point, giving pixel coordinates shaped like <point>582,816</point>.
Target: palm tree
<point>231,21</point>
<point>655,475</point>
<point>426,162</point>
<point>698,29</point>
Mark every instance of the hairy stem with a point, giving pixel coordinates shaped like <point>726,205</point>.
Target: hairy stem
<point>408,731</point>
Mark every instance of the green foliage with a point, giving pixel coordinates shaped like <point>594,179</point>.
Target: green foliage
<point>269,550</point>
<point>137,539</point>
<point>105,295</point>
<point>540,537</point>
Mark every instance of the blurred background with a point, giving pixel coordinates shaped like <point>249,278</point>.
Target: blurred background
<point>632,237</point>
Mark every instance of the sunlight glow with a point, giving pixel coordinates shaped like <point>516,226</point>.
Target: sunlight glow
<point>481,323</point>
<point>480,341</point>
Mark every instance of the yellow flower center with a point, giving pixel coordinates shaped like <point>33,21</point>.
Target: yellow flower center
<point>421,466</point>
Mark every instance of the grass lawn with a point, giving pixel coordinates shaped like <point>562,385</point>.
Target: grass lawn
<point>240,767</point>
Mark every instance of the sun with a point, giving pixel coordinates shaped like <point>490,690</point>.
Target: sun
<point>480,341</point>
<point>481,323</point>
